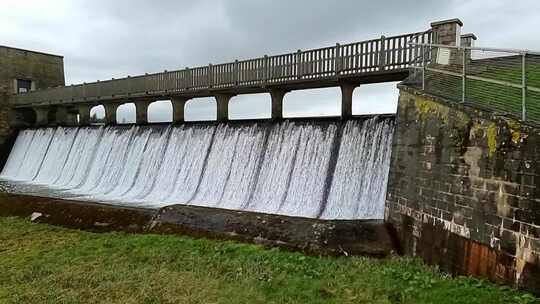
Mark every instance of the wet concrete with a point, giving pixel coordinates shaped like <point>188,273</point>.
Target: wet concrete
<point>313,236</point>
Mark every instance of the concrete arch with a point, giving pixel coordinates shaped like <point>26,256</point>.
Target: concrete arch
<point>160,111</point>
<point>312,102</point>
<point>201,109</point>
<point>97,114</point>
<point>126,113</point>
<point>250,106</point>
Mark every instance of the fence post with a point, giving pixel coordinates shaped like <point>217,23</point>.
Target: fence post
<point>299,64</point>
<point>523,86</point>
<point>464,78</point>
<point>187,79</point>
<point>423,67</point>
<point>382,54</point>
<point>236,73</point>
<point>337,63</point>
<point>265,69</point>
<point>209,76</point>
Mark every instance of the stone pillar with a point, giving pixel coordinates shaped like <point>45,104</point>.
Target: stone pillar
<point>447,32</point>
<point>84,115</point>
<point>61,116</point>
<point>141,111</point>
<point>222,103</point>
<point>42,116</point>
<point>110,113</point>
<point>178,106</point>
<point>347,90</point>
<point>467,40</point>
<point>66,116</point>
<point>71,116</point>
<point>277,103</point>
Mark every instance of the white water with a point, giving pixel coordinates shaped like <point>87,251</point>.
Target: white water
<point>328,170</point>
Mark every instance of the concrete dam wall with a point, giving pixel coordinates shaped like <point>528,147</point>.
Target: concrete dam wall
<point>313,169</point>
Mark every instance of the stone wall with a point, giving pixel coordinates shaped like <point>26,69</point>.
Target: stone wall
<point>464,190</point>
<point>44,70</point>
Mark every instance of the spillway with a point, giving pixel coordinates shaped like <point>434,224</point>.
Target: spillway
<point>315,169</point>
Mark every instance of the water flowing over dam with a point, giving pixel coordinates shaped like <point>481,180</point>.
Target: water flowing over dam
<point>316,169</point>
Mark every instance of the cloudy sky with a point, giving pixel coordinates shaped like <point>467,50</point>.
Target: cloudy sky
<point>101,39</point>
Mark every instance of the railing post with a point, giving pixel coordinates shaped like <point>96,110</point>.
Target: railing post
<point>265,69</point>
<point>209,77</point>
<point>382,54</point>
<point>464,77</point>
<point>423,67</point>
<point>524,86</point>
<point>299,64</point>
<point>337,63</point>
<point>188,78</point>
<point>236,73</point>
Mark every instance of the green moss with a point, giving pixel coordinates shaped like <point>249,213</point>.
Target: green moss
<point>427,108</point>
<point>491,133</point>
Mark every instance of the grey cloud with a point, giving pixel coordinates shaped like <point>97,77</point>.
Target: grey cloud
<point>101,39</point>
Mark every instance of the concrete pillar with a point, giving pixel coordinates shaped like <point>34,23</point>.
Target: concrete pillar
<point>84,115</point>
<point>42,116</point>
<point>178,106</point>
<point>277,103</point>
<point>347,90</point>
<point>467,40</point>
<point>110,113</point>
<point>66,116</point>
<point>222,103</point>
<point>71,116</point>
<point>141,111</point>
<point>61,116</point>
<point>447,32</point>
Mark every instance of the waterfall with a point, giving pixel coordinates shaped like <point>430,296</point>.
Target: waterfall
<point>324,169</point>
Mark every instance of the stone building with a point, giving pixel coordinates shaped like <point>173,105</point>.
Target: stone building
<point>22,71</point>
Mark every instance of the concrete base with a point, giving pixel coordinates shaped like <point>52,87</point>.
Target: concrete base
<point>329,237</point>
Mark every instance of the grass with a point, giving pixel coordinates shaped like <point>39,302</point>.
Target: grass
<point>46,264</point>
<point>496,96</point>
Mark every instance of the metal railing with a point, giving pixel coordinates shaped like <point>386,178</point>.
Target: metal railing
<point>504,80</point>
<point>348,60</point>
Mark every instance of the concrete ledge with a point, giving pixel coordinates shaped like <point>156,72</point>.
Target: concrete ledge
<point>328,237</point>
<point>334,237</point>
<point>74,214</point>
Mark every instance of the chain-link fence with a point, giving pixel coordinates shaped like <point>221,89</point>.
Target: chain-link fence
<point>507,81</point>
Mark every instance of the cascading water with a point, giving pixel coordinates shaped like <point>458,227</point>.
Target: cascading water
<point>329,170</point>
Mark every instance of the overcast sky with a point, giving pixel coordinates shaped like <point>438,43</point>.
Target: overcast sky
<point>101,39</point>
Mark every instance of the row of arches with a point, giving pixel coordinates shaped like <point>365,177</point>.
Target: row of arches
<point>369,99</point>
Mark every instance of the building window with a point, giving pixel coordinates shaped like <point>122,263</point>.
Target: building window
<point>24,85</point>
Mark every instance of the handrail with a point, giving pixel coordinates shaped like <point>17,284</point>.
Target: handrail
<point>353,59</point>
<point>485,49</point>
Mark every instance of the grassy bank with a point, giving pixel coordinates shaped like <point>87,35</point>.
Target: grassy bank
<point>46,264</point>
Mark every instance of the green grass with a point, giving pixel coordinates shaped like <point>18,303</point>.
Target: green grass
<point>498,97</point>
<point>46,264</point>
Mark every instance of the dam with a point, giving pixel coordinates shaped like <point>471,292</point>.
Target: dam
<point>453,177</point>
<point>322,169</point>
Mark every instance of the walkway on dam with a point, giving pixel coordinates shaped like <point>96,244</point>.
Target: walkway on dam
<point>377,60</point>
<point>347,66</point>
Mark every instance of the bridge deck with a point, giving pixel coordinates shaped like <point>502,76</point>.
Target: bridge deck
<point>377,60</point>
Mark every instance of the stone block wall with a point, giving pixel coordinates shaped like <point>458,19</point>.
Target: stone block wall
<point>44,70</point>
<point>464,190</point>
